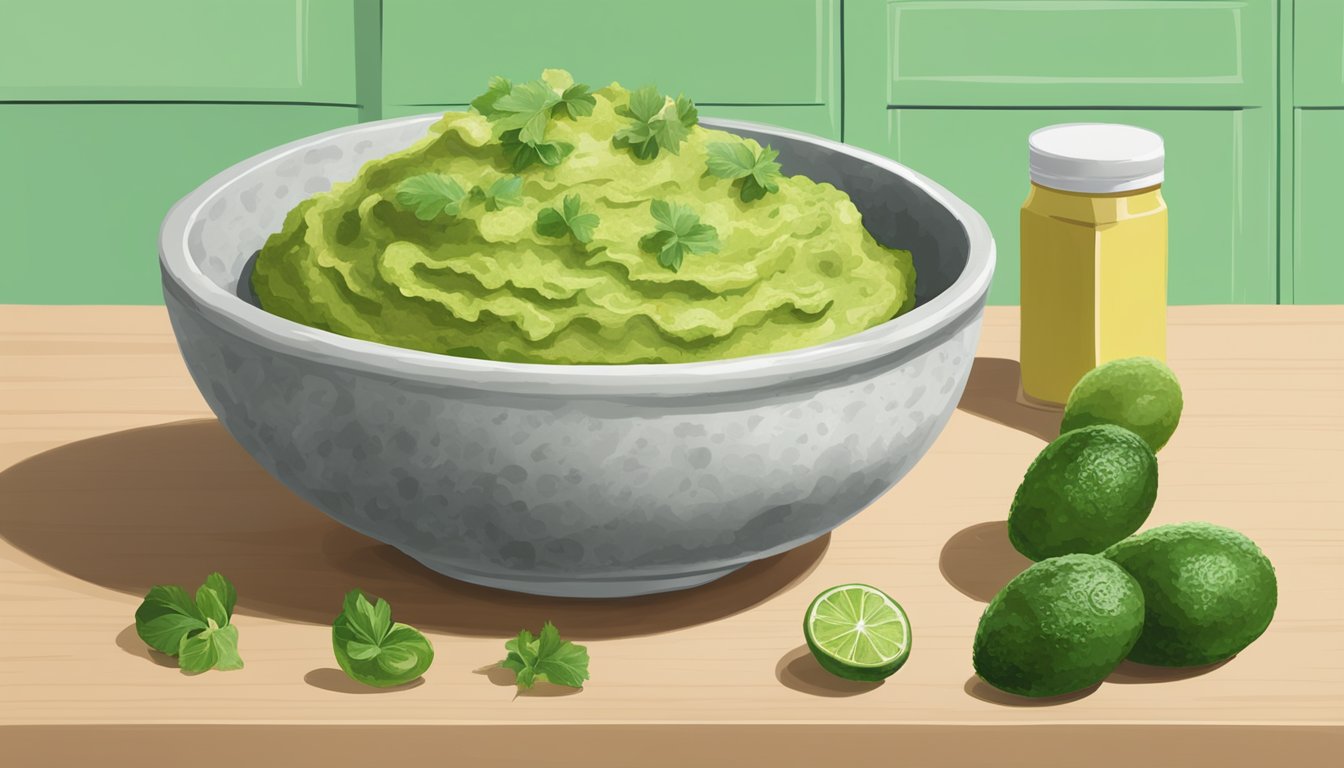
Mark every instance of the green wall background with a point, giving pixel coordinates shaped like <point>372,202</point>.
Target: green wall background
<point>111,111</point>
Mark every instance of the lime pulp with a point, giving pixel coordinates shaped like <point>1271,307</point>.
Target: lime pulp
<point>857,632</point>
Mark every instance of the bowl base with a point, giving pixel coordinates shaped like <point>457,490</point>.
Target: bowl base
<point>597,588</point>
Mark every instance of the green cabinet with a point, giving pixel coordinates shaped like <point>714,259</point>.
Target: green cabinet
<point>111,111</point>
<point>1314,248</point>
<point>773,61</point>
<point>95,180</point>
<point>952,88</point>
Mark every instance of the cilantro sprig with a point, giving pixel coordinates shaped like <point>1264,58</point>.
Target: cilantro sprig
<point>735,160</point>
<point>521,114</point>
<point>430,195</point>
<point>507,191</point>
<point>196,631</point>
<point>546,658</point>
<point>656,123</point>
<point>374,650</point>
<point>570,219</point>
<point>677,232</point>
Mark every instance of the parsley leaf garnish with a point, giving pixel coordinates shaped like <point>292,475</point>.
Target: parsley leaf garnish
<point>521,114</point>
<point>485,103</point>
<point>374,650</point>
<point>735,160</point>
<point>505,192</point>
<point>656,123</point>
<point>546,658</point>
<point>196,631</point>
<point>569,220</point>
<point>431,194</point>
<point>677,232</point>
<point>575,102</point>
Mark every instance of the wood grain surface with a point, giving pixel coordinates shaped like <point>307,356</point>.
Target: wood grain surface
<point>114,477</point>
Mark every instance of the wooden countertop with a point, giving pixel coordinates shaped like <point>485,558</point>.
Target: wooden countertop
<point>113,476</point>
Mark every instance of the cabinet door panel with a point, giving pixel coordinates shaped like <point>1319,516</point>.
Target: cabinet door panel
<point>96,180</point>
<point>782,56</point>
<point>1318,245</point>
<point>1219,187</point>
<point>190,50</point>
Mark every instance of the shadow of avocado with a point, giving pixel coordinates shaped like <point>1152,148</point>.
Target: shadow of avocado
<point>979,560</point>
<point>993,391</point>
<point>171,503</point>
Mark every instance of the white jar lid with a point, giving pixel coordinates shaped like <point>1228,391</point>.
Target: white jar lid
<point>1096,157</point>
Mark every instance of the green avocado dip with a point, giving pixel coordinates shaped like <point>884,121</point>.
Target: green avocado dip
<point>551,224</point>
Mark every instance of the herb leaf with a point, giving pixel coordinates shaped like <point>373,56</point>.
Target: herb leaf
<point>523,155</point>
<point>575,102</point>
<point>485,103</point>
<point>166,616</point>
<point>374,650</point>
<point>196,631</point>
<point>505,192</point>
<point>547,658</point>
<point>677,232</point>
<point>657,123</point>
<point>735,160</point>
<point>569,220</point>
<point>214,648</point>
<point>430,194</point>
<point>527,108</point>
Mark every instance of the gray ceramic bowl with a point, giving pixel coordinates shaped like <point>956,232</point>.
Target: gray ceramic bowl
<point>585,481</point>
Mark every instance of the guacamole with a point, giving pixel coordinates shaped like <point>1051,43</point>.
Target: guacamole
<point>551,224</point>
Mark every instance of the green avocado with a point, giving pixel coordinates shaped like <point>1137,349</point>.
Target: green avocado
<point>1085,491</point>
<point>1140,394</point>
<point>453,246</point>
<point>1210,592</point>
<point>1059,626</point>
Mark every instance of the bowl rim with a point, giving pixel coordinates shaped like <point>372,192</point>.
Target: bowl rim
<point>185,281</point>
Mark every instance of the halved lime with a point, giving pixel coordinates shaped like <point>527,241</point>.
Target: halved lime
<point>857,632</point>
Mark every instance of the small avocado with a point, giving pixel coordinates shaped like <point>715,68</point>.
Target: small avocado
<point>1059,626</point>
<point>1209,590</point>
<point>1140,394</point>
<point>1085,491</point>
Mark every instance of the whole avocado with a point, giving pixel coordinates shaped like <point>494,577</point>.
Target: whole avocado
<point>1085,491</point>
<point>1209,592</point>
<point>1059,626</point>
<point>1140,394</point>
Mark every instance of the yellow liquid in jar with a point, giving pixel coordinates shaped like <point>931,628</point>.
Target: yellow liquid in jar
<point>1094,284</point>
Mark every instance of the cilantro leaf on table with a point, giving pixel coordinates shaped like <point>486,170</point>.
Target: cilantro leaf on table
<point>430,194</point>
<point>677,232</point>
<point>657,123</point>
<point>735,160</point>
<point>568,220</point>
<point>546,658</point>
<point>374,650</point>
<point>575,102</point>
<point>197,631</point>
<point>504,193</point>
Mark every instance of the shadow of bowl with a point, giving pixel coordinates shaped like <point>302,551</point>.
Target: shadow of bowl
<point>979,560</point>
<point>799,670</point>
<point>169,504</point>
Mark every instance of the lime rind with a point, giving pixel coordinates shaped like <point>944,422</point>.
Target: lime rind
<point>858,632</point>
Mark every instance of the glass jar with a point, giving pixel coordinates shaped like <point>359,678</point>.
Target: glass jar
<point>1093,256</point>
